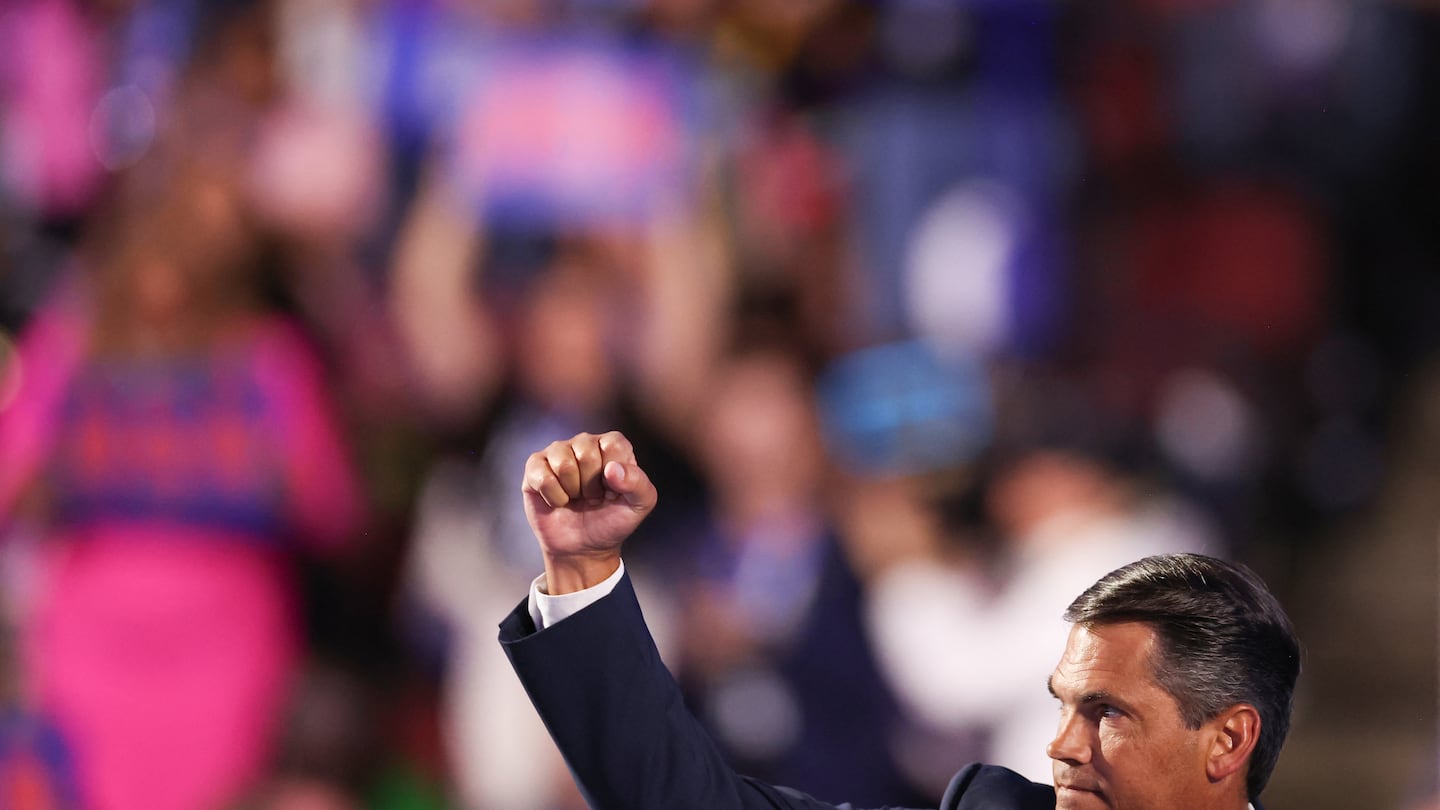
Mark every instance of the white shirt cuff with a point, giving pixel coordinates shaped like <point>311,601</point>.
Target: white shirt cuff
<point>547,610</point>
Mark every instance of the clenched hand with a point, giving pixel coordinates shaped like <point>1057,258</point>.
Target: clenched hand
<point>583,497</point>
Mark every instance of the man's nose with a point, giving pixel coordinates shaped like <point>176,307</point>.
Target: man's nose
<point>1071,743</point>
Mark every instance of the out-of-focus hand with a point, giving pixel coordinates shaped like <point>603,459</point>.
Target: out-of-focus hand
<point>583,497</point>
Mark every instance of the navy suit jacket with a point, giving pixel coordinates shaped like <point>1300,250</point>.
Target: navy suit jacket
<point>617,715</point>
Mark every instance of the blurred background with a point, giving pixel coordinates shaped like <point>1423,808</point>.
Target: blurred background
<point>922,314</point>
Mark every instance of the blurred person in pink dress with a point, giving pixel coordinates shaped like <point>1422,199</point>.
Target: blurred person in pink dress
<point>176,446</point>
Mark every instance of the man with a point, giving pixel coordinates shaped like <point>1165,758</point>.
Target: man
<point>1174,687</point>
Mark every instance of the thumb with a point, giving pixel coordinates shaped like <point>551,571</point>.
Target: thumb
<point>631,483</point>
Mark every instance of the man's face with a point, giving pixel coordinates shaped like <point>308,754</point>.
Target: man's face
<point>1122,743</point>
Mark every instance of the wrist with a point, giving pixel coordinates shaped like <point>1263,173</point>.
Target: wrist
<point>568,574</point>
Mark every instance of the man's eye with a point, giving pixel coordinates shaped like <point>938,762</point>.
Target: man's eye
<point>1106,710</point>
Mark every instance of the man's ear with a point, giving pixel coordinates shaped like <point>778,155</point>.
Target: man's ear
<point>1235,732</point>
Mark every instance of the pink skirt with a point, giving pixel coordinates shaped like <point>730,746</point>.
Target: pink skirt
<point>165,659</point>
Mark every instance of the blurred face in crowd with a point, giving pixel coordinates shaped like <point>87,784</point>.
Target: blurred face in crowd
<point>1122,743</point>
<point>760,429</point>
<point>176,262</point>
<point>564,353</point>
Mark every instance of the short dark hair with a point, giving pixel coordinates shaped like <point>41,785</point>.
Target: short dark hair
<point>1223,639</point>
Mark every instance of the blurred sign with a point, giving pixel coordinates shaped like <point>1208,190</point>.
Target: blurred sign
<point>901,409</point>
<point>571,133</point>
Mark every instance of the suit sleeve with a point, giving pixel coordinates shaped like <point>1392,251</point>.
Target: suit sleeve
<point>617,715</point>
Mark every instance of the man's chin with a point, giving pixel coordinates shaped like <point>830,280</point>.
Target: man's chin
<point>1069,798</point>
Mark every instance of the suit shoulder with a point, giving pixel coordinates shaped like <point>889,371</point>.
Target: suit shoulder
<point>989,786</point>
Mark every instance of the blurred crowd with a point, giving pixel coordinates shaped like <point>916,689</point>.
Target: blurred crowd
<point>922,314</point>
